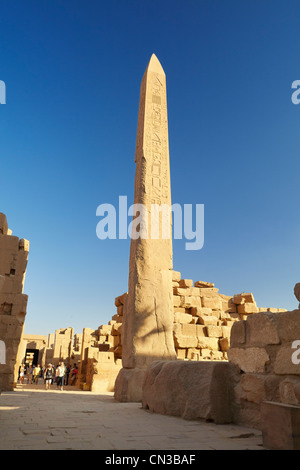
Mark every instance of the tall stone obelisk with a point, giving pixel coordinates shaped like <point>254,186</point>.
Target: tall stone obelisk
<point>147,333</point>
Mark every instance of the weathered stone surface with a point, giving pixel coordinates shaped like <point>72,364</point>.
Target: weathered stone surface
<point>238,333</point>
<point>249,359</point>
<point>13,302</point>
<point>203,284</point>
<point>262,330</point>
<point>190,389</point>
<point>280,426</point>
<point>297,291</point>
<point>148,317</point>
<point>289,390</point>
<point>283,363</point>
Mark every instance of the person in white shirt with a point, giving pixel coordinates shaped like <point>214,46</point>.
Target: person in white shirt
<point>61,375</point>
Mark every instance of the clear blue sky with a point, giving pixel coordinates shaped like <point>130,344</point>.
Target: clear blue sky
<point>67,140</point>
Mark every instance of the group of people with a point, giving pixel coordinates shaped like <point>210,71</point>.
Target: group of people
<point>60,374</point>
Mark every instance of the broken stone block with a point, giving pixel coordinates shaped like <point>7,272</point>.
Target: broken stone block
<point>207,343</point>
<point>249,359</point>
<point>208,320</point>
<point>203,284</point>
<point>224,344</point>
<point>188,301</point>
<point>244,297</point>
<point>182,341</point>
<point>214,331</point>
<point>186,283</point>
<point>176,276</point>
<point>197,311</point>
<point>262,330</point>
<point>182,317</point>
<point>247,307</point>
<point>280,426</point>
<point>172,388</point>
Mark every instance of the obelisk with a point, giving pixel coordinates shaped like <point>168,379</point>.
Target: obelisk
<point>147,332</point>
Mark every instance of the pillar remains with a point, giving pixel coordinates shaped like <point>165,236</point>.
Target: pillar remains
<point>148,314</point>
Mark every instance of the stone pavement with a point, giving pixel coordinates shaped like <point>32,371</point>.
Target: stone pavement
<point>32,418</point>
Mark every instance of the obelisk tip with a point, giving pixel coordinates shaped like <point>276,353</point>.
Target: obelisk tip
<point>154,65</point>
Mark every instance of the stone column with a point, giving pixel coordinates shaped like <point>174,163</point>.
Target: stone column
<point>148,314</point>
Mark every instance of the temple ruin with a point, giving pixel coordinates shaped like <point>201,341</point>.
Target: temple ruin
<point>178,346</point>
<point>13,302</point>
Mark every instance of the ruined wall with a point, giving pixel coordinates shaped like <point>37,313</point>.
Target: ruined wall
<point>203,318</point>
<point>13,303</point>
<point>263,350</point>
<point>100,358</point>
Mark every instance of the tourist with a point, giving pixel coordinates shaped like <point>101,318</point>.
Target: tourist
<point>29,373</point>
<point>48,376</point>
<point>36,374</point>
<point>67,374</point>
<point>22,372</point>
<point>74,374</point>
<point>60,375</point>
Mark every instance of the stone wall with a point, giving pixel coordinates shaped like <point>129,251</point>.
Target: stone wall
<point>13,303</point>
<point>264,349</point>
<point>203,318</point>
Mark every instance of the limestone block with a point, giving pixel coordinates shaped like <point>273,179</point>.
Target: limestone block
<point>207,343</point>
<point>120,300</point>
<point>198,311</point>
<point>229,306</point>
<point>249,359</point>
<point>244,297</point>
<point>226,331</point>
<point>208,292</point>
<point>182,318</point>
<point>176,300</point>
<point>200,330</point>
<point>117,329</point>
<point>172,388</point>
<point>186,283</point>
<point>176,276</point>
<point>216,355</point>
<point>212,302</point>
<point>203,284</point>
<point>208,320</point>
<point>177,328</point>
<point>189,329</point>
<point>206,353</point>
<point>193,354</point>
<point>188,301</point>
<point>106,357</point>
<point>247,307</point>
<point>181,353</point>
<point>182,341</point>
<point>214,331</point>
<point>224,344</point>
